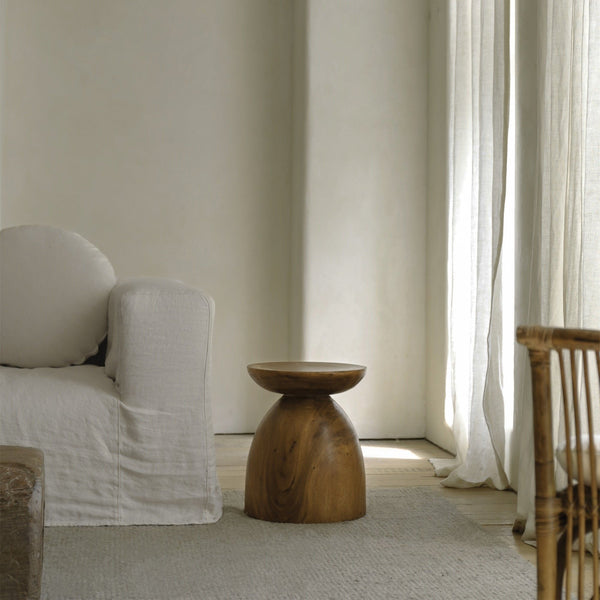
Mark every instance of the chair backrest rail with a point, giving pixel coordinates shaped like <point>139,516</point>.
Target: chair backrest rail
<point>556,338</point>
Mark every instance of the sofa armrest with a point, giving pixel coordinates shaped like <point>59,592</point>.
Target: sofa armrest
<point>159,347</point>
<point>159,340</point>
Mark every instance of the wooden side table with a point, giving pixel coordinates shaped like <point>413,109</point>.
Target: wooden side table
<point>305,463</point>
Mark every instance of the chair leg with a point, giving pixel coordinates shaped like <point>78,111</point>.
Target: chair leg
<point>561,561</point>
<point>561,556</point>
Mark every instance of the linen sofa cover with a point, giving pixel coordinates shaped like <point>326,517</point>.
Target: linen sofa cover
<point>130,442</point>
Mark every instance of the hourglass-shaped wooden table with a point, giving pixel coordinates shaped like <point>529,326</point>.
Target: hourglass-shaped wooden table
<point>305,463</point>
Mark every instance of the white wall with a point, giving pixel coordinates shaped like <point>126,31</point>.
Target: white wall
<point>271,152</point>
<point>161,131</point>
<point>437,429</point>
<point>363,253</point>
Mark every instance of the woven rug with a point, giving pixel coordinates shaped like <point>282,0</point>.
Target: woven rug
<point>412,544</point>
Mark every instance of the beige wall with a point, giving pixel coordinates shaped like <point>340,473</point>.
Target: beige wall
<point>364,205</point>
<point>437,430</point>
<point>271,152</point>
<point>161,131</point>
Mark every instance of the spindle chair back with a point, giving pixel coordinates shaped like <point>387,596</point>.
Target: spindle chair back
<point>565,369</point>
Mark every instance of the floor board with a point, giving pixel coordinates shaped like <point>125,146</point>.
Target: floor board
<point>397,463</point>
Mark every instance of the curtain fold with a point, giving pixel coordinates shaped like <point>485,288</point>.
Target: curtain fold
<point>477,155</point>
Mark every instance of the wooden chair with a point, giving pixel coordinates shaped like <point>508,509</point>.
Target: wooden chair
<point>565,367</point>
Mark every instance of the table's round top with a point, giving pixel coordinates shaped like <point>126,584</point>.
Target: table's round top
<point>301,378</point>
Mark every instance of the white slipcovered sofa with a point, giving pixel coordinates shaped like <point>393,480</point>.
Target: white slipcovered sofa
<point>127,440</point>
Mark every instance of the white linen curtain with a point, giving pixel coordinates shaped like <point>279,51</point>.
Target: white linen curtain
<point>477,156</point>
<point>557,226</point>
<point>560,284</point>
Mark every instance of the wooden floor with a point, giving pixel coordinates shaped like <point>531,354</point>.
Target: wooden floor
<point>391,464</point>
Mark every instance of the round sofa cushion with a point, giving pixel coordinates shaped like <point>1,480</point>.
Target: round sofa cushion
<point>54,288</point>
<point>586,459</point>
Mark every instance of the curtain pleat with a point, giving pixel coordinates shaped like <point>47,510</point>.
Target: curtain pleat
<point>477,103</point>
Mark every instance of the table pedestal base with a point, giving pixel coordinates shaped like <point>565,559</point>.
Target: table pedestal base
<point>305,464</point>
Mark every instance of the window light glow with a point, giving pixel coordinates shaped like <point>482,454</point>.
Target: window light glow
<point>388,453</point>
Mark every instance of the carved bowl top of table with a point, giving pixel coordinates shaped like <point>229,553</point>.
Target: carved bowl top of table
<point>306,378</point>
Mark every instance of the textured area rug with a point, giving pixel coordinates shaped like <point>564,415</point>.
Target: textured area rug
<point>412,544</point>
